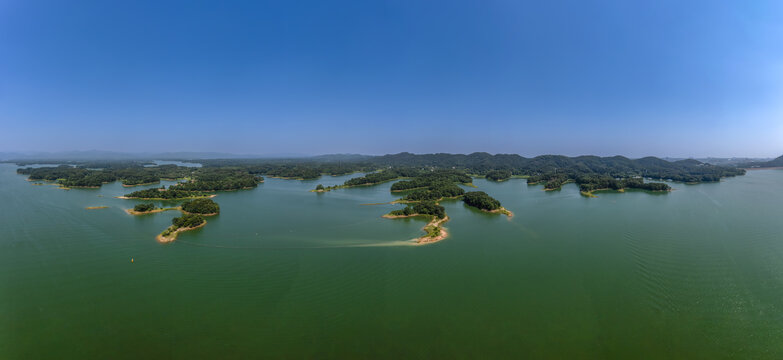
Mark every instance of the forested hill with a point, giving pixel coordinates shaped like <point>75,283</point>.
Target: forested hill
<point>553,169</point>
<point>767,164</point>
<point>617,166</point>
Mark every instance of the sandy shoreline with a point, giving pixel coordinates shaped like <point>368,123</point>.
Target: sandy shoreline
<point>173,236</point>
<point>434,223</point>
<point>502,210</point>
<point>138,213</point>
<point>438,223</point>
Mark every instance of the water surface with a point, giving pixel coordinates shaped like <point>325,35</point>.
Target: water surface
<point>282,272</point>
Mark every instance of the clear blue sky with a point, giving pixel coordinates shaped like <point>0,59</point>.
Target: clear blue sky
<point>666,78</point>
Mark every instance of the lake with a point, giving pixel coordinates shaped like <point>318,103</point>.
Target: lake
<point>285,273</point>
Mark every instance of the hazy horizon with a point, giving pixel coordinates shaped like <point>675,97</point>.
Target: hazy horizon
<point>667,79</point>
<point>106,154</point>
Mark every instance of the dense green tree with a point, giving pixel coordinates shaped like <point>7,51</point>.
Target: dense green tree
<point>422,208</point>
<point>144,207</point>
<point>163,194</point>
<point>498,175</point>
<point>201,206</point>
<point>187,221</point>
<point>481,200</point>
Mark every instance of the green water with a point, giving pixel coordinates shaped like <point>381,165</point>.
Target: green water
<point>285,273</point>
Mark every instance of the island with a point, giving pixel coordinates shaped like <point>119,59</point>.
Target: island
<point>165,194</point>
<point>480,200</point>
<point>422,181</point>
<point>148,208</point>
<point>434,230</point>
<point>498,175</point>
<point>181,224</point>
<point>203,207</point>
<point>591,183</point>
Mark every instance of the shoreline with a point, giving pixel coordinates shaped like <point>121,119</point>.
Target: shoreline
<point>179,208</point>
<point>502,210</point>
<point>134,185</point>
<point>765,168</point>
<point>139,213</point>
<point>434,224</point>
<point>190,213</point>
<point>173,236</point>
<point>162,199</point>
<point>591,194</point>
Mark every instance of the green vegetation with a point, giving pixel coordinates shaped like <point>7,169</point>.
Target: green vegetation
<point>84,176</point>
<point>187,221</point>
<point>201,206</point>
<point>481,200</point>
<point>163,194</point>
<point>433,185</point>
<point>184,221</point>
<point>320,187</point>
<point>219,179</point>
<point>144,207</point>
<point>498,175</point>
<point>546,167</point>
<point>381,176</point>
<point>589,183</point>
<point>421,208</point>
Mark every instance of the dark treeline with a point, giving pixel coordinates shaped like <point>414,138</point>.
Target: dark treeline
<point>588,183</point>
<point>82,176</point>
<point>553,170</point>
<point>216,179</point>
<point>383,176</point>
<point>428,178</point>
<point>201,206</point>
<point>433,185</point>
<point>144,207</point>
<point>421,208</point>
<point>498,175</point>
<point>551,166</point>
<point>305,169</point>
<point>201,179</point>
<point>162,193</point>
<point>187,220</point>
<point>481,200</point>
<point>184,221</point>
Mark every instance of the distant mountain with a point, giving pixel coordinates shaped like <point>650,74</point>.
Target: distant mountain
<point>91,155</point>
<point>722,161</point>
<point>778,162</point>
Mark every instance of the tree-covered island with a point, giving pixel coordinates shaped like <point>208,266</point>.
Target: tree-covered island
<point>422,180</point>
<point>148,208</point>
<point>181,224</point>
<point>165,194</point>
<point>484,202</point>
<point>204,207</point>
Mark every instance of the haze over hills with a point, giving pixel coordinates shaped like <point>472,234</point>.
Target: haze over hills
<point>87,155</point>
<point>777,162</point>
<point>116,155</point>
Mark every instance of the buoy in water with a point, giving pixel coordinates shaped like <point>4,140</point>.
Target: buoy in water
<point>131,259</point>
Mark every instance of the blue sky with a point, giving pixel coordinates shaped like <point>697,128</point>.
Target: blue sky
<point>665,78</point>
